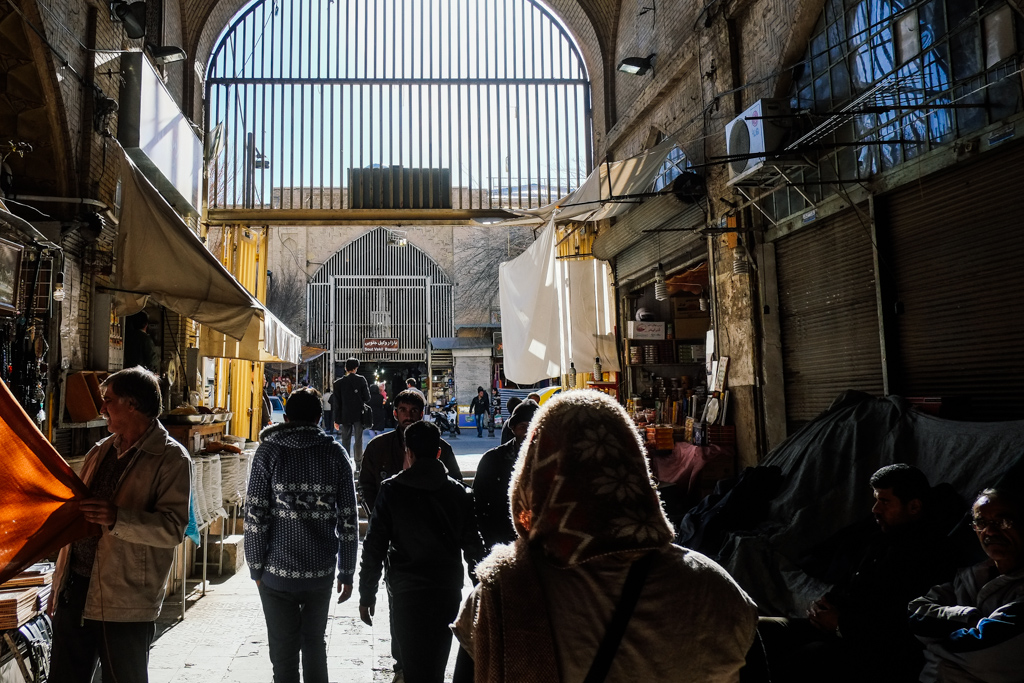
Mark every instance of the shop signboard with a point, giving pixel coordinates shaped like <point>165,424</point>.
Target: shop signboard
<point>646,330</point>
<point>378,345</point>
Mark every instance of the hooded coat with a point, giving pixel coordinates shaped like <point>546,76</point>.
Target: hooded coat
<point>585,509</point>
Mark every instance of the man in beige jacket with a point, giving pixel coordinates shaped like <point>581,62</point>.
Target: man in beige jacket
<point>108,588</point>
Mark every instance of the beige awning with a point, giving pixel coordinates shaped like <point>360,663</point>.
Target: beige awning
<point>594,199</point>
<point>158,257</point>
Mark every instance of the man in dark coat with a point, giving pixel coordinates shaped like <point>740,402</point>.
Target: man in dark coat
<point>422,525</point>
<point>348,398</point>
<point>480,408</point>
<point>493,474</point>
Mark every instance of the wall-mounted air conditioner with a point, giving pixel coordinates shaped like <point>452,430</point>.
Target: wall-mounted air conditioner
<point>753,137</point>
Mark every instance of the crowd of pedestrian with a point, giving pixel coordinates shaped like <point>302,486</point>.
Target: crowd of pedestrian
<point>576,576</point>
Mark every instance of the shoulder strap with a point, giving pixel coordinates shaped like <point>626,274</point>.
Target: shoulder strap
<point>635,581</point>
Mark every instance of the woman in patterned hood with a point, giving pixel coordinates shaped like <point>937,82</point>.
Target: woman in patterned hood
<point>585,511</point>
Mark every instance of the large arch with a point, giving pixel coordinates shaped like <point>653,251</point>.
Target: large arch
<point>379,286</point>
<point>591,23</point>
<point>476,105</point>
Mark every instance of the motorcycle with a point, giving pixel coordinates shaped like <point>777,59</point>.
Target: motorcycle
<point>446,418</point>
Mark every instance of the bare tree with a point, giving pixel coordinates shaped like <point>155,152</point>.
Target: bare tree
<point>478,254</point>
<point>286,298</point>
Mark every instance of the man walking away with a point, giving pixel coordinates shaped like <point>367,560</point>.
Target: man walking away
<point>300,523</point>
<point>350,394</point>
<point>480,407</point>
<point>422,525</point>
<point>493,474</point>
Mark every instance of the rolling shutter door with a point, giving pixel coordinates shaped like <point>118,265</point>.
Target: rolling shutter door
<point>957,244</point>
<point>828,315</point>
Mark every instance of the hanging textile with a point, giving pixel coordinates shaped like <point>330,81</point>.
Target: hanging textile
<point>37,515</point>
<point>588,318</point>
<point>530,312</point>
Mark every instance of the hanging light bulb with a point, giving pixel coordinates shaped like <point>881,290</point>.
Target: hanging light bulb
<point>660,288</point>
<point>703,301</point>
<point>740,264</point>
<point>58,287</point>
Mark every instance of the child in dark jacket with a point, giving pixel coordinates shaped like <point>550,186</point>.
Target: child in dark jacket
<point>423,524</point>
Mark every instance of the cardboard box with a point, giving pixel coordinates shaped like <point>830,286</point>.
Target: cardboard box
<point>695,328</point>
<point>683,306</point>
<point>645,330</point>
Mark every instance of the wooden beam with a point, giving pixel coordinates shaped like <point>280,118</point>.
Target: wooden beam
<point>354,216</point>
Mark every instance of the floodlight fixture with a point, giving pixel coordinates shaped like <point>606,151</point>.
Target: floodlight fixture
<point>637,66</point>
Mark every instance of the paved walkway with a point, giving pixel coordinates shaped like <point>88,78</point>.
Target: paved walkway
<point>223,639</point>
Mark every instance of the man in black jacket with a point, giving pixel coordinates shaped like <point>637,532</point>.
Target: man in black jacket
<point>422,524</point>
<point>385,456</point>
<point>350,394</point>
<point>493,474</point>
<point>480,407</point>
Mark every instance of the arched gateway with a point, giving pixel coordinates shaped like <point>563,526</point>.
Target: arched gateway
<point>379,299</point>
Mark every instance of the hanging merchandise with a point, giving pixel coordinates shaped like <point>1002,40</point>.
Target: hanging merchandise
<point>570,377</point>
<point>598,374</point>
<point>660,287</point>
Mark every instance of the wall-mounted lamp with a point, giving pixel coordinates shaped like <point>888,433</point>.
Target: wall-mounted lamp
<point>166,54</point>
<point>132,15</point>
<point>397,238</point>
<point>637,65</point>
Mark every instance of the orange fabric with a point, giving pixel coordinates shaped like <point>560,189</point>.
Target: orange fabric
<point>37,490</point>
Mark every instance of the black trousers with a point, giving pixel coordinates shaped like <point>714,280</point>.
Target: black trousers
<point>296,623</point>
<point>121,647</point>
<point>421,620</point>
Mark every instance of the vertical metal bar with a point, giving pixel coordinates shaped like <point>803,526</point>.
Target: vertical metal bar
<point>458,107</point>
<point>487,89</point>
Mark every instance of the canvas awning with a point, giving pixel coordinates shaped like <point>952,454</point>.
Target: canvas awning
<point>594,199</point>
<point>158,257</point>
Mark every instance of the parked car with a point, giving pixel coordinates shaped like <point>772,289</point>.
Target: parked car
<point>276,410</point>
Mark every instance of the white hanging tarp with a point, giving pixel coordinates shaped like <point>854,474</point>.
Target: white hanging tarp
<point>527,288</point>
<point>588,318</point>
<point>554,312</point>
<point>158,257</point>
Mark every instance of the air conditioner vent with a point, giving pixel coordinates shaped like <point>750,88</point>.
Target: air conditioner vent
<point>754,138</point>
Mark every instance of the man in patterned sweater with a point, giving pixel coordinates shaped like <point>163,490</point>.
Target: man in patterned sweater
<point>300,522</point>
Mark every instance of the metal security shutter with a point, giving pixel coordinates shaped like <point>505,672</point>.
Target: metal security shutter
<point>957,248</point>
<point>828,315</point>
<point>661,213</point>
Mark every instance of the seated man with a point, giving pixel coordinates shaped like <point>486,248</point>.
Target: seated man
<point>422,524</point>
<point>858,629</point>
<point>973,627</point>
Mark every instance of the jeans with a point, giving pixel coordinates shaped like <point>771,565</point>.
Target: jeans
<point>122,647</point>
<point>352,441</point>
<point>481,420</point>
<point>296,622</point>
<point>421,621</point>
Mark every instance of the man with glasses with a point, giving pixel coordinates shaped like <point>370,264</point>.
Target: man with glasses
<point>973,627</point>
<point>859,628</point>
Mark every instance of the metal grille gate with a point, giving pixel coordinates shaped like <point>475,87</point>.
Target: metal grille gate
<point>372,289</point>
<point>302,92</point>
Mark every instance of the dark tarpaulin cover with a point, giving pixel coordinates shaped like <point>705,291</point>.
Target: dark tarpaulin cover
<point>37,487</point>
<point>826,469</point>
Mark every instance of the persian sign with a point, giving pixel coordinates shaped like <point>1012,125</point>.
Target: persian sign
<point>380,345</point>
